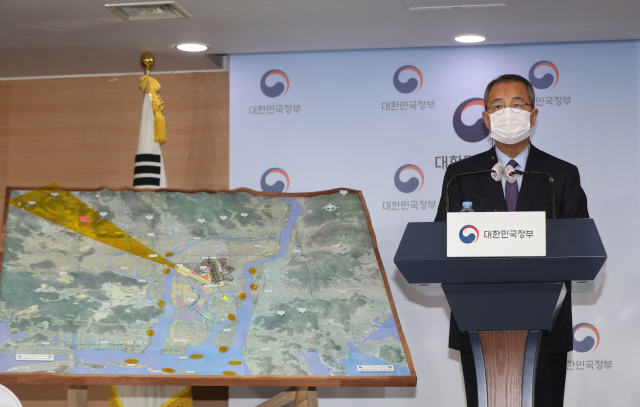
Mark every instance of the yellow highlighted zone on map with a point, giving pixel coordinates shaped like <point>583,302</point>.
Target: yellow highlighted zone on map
<point>64,209</point>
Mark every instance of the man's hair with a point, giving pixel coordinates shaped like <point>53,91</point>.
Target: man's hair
<point>509,78</point>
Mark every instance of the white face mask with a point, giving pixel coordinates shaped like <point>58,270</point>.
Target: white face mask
<point>510,126</point>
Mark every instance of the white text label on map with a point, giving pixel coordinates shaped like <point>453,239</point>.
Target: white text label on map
<point>376,368</point>
<point>27,356</point>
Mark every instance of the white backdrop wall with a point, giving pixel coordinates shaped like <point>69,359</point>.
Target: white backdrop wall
<point>338,119</point>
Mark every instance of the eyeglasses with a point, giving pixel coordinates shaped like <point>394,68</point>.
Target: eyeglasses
<point>516,107</point>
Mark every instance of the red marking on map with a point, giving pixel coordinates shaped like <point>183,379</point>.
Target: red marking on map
<point>84,219</point>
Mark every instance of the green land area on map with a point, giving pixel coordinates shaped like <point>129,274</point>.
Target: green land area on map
<point>213,292</point>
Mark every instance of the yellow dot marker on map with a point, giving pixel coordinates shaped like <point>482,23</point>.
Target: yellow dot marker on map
<point>150,332</point>
<point>242,296</point>
<point>222,349</point>
<point>253,287</point>
<point>131,361</point>
<point>167,370</point>
<point>253,270</point>
<point>166,271</point>
<point>231,317</point>
<point>161,304</point>
<point>228,373</point>
<point>235,362</point>
<point>196,356</point>
<point>168,254</point>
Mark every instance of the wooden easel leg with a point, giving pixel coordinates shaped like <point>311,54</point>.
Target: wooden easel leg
<point>280,399</point>
<point>301,396</point>
<point>312,397</point>
<point>77,396</point>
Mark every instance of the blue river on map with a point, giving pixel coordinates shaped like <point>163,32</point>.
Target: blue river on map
<point>213,362</point>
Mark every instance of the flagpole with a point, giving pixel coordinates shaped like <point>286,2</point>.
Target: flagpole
<point>149,166</point>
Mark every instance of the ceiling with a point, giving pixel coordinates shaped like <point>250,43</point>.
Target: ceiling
<point>74,37</point>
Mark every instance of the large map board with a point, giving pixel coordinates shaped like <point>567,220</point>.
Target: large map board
<point>203,288</point>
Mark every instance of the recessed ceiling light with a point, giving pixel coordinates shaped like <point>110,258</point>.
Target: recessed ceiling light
<point>192,47</point>
<point>470,38</point>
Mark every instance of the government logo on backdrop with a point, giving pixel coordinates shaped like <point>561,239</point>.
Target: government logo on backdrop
<point>278,88</point>
<point>477,131</point>
<point>279,185</point>
<point>470,237</point>
<point>412,84</point>
<point>547,80</point>
<point>590,341</point>
<point>413,184</point>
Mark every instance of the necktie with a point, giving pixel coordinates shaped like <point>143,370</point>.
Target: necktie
<point>511,191</point>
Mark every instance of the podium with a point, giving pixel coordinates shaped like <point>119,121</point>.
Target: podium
<point>505,304</point>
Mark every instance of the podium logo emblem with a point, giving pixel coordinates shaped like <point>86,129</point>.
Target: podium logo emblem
<point>590,342</point>
<point>477,131</point>
<point>277,186</point>
<point>547,79</point>
<point>278,89</point>
<point>412,84</point>
<point>413,184</point>
<point>467,234</point>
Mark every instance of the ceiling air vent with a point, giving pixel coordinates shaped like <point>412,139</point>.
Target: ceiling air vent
<point>148,11</point>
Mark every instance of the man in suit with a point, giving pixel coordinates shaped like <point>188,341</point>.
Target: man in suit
<point>509,115</point>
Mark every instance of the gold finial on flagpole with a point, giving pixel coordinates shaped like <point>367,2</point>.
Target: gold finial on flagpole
<point>147,61</point>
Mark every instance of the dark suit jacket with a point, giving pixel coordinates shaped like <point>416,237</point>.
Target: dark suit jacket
<point>535,195</point>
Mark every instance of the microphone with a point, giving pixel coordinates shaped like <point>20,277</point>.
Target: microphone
<point>509,176</point>
<point>497,172</point>
<point>511,172</point>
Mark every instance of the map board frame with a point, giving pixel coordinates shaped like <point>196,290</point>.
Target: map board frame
<point>43,378</point>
